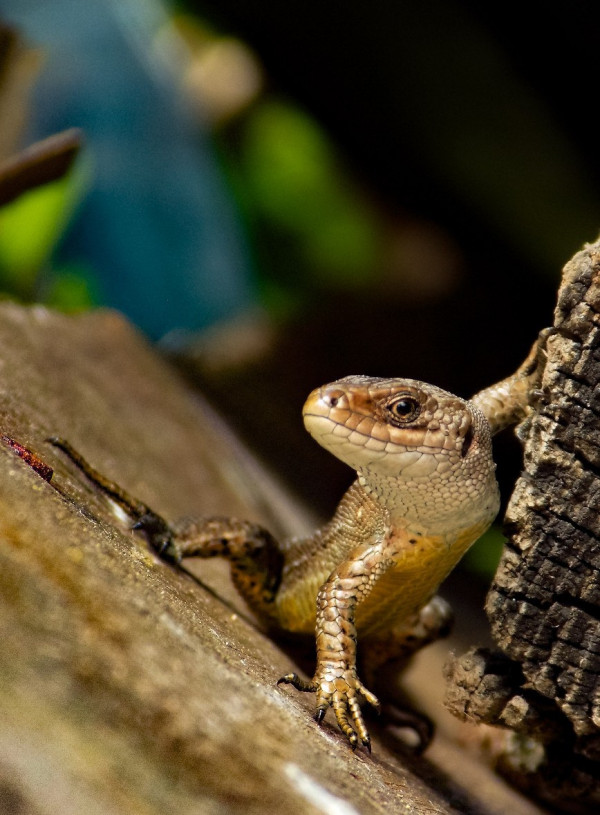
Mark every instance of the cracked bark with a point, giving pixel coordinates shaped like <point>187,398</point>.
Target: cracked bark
<point>544,602</point>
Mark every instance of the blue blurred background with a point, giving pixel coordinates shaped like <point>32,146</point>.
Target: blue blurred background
<point>156,234</point>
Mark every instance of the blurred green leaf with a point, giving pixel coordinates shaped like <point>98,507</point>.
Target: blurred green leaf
<point>32,226</point>
<point>483,557</point>
<point>298,186</point>
<point>71,290</point>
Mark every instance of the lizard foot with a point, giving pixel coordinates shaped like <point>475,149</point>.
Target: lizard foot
<point>419,723</point>
<point>341,692</point>
<point>160,536</point>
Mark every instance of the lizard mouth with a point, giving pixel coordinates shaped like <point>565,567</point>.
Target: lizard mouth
<point>367,454</point>
<point>392,428</point>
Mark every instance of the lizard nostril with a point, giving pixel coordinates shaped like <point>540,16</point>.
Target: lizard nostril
<point>333,398</point>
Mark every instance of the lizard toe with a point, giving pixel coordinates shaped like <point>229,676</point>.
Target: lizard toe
<point>358,721</point>
<point>345,726</point>
<point>297,682</point>
<point>159,536</point>
<point>370,697</point>
<point>419,723</point>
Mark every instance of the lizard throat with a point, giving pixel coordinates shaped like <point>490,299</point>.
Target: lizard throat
<point>450,506</point>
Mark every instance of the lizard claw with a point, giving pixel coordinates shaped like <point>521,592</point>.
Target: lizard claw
<point>159,536</point>
<point>419,723</point>
<point>297,682</point>
<point>342,694</point>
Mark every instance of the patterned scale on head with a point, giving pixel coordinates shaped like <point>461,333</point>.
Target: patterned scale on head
<point>425,453</point>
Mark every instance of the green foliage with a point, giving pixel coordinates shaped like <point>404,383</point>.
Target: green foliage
<point>295,184</point>
<point>483,557</point>
<point>71,289</point>
<point>31,227</point>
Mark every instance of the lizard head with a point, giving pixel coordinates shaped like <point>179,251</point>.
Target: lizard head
<point>398,428</point>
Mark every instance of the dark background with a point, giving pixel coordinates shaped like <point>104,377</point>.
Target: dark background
<point>478,118</point>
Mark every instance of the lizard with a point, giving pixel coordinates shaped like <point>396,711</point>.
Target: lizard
<point>425,491</point>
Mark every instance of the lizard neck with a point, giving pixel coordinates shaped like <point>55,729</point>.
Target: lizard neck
<point>444,506</point>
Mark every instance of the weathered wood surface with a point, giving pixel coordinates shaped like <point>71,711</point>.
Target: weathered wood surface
<point>544,603</point>
<point>126,686</point>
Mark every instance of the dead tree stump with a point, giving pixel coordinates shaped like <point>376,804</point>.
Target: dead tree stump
<point>544,602</point>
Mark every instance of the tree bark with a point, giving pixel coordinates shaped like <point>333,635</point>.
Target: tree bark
<point>544,602</point>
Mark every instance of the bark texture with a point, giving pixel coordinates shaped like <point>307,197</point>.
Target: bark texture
<point>544,603</point>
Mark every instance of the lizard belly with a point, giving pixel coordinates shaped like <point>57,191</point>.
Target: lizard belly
<point>297,605</point>
<point>402,590</point>
<point>420,564</point>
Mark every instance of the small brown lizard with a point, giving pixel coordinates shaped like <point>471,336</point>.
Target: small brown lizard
<point>426,490</point>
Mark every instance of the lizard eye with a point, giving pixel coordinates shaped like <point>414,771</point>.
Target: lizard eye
<point>406,408</point>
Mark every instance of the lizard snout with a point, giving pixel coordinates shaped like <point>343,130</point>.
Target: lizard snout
<point>322,400</point>
<point>332,397</point>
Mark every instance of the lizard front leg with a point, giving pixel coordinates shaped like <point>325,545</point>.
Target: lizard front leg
<point>396,646</point>
<point>336,682</point>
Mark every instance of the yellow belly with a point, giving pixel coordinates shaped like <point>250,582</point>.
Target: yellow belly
<point>409,585</point>
<point>397,595</point>
<point>297,605</point>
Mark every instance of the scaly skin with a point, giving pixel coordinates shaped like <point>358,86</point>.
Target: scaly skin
<point>425,491</point>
